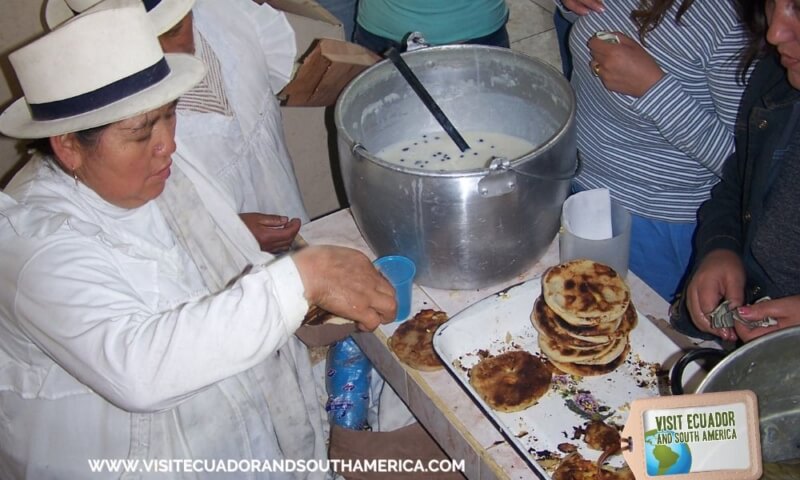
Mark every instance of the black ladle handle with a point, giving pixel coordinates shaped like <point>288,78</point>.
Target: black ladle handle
<point>426,98</point>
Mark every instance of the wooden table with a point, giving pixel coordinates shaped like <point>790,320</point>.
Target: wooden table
<point>436,398</point>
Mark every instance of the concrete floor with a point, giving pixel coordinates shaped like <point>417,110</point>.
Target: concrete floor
<point>531,30</point>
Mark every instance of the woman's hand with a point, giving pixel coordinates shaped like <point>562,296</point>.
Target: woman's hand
<point>720,277</point>
<point>274,233</point>
<point>583,7</point>
<point>625,67</point>
<point>344,282</point>
<point>785,310</point>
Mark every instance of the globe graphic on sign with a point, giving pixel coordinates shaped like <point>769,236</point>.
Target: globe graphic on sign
<point>666,458</point>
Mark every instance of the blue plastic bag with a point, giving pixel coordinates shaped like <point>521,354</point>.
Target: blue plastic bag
<point>347,381</point>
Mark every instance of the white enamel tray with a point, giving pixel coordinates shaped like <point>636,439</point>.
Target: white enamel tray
<point>501,323</point>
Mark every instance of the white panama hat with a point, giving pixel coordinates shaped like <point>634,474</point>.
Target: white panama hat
<point>102,66</point>
<point>163,13</point>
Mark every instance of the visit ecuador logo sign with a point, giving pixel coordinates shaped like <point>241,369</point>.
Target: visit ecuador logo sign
<point>679,441</point>
<point>706,436</point>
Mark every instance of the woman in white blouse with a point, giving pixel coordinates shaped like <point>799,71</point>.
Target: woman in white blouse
<point>230,123</point>
<point>139,319</point>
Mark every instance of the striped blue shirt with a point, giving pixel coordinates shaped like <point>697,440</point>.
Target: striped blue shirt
<point>661,153</point>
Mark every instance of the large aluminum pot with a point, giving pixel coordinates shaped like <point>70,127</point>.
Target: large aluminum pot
<point>770,367</point>
<point>464,229</point>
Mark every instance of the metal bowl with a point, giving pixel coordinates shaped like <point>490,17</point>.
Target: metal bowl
<point>770,367</point>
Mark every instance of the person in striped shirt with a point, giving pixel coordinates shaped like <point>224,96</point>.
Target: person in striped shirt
<point>655,116</point>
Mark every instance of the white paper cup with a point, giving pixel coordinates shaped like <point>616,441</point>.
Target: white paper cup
<point>613,251</point>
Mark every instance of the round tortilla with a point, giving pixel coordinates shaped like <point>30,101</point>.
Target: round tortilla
<point>511,381</point>
<point>584,292</point>
<point>412,341</point>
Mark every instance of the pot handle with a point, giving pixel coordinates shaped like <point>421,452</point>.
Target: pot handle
<point>499,181</point>
<point>676,376</point>
<point>415,41</point>
<point>358,150</point>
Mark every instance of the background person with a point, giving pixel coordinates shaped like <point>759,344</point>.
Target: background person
<point>231,121</point>
<point>139,319</point>
<point>655,116</point>
<point>748,235</point>
<point>381,24</point>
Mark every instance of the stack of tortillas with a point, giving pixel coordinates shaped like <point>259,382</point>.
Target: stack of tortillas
<point>583,318</point>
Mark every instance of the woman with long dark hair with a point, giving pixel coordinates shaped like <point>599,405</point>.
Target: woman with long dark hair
<point>748,235</point>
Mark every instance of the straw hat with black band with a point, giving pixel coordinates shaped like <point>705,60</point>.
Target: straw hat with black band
<point>102,66</point>
<point>163,13</point>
